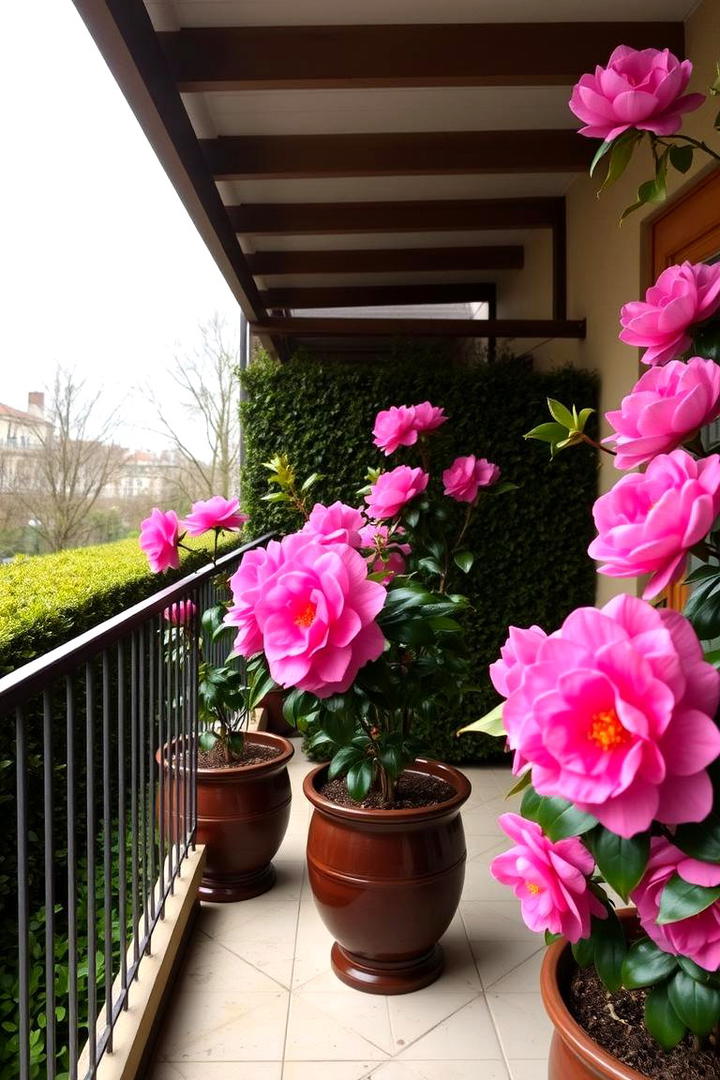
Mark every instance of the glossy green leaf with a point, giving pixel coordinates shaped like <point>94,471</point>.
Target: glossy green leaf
<point>489,724</point>
<point>557,818</point>
<point>207,740</point>
<point>661,1020</point>
<point>464,560</point>
<point>359,779</point>
<point>708,978</point>
<point>561,414</point>
<point>701,840</point>
<point>603,149</point>
<point>620,860</point>
<point>521,784</point>
<point>610,950</point>
<point>645,965</point>
<point>620,157</point>
<point>549,433</point>
<point>680,900</point>
<point>681,158</point>
<point>342,760</point>
<point>698,1006</point>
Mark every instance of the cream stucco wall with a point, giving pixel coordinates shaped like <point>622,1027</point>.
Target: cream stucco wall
<point>607,264</point>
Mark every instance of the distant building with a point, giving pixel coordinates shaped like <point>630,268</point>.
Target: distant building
<point>21,434</point>
<point>143,474</point>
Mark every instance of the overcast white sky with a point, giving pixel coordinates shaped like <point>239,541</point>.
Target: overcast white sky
<point>101,269</point>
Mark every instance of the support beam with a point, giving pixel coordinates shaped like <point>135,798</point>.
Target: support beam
<point>443,215</point>
<point>378,295</point>
<point>430,328</point>
<point>387,260</point>
<point>404,153</point>
<point>475,54</point>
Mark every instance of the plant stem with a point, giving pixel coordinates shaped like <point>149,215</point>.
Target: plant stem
<point>597,445</point>
<point>697,143</point>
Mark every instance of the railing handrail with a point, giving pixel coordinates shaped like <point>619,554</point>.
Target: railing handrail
<point>32,678</point>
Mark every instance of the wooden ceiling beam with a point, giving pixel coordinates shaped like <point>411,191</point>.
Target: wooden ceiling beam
<point>387,260</point>
<point>430,328</point>
<point>403,153</point>
<point>475,54</point>
<point>442,215</point>
<point>378,295</point>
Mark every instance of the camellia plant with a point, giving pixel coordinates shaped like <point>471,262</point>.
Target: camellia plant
<point>356,614</point>
<point>227,692</point>
<point>613,717</point>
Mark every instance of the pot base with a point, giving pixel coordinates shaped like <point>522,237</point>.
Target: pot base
<point>227,890</point>
<point>375,977</point>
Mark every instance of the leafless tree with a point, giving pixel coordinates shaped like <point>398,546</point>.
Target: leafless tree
<point>210,451</point>
<point>74,459</point>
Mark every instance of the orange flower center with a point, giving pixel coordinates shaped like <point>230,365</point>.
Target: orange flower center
<point>306,615</point>
<point>532,887</point>
<point>606,731</point>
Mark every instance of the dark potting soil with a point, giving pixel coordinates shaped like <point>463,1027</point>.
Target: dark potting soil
<point>615,1021</point>
<point>253,754</point>
<point>413,791</point>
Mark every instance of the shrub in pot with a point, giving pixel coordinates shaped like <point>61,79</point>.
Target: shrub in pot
<point>242,783</point>
<point>356,617</point>
<point>613,718</point>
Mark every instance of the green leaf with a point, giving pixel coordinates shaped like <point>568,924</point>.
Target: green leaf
<point>430,565</point>
<point>708,978</point>
<point>549,433</point>
<point>680,900</point>
<point>307,484</point>
<point>602,150</point>
<point>359,779</point>
<point>583,418</point>
<point>621,861</point>
<point>584,952</point>
<point>489,724</point>
<point>645,965</point>
<point>207,740</point>
<point>557,818</point>
<point>610,950</point>
<point>620,157</point>
<point>464,560</point>
<point>521,784</point>
<point>561,413</point>
<point>550,939</point>
<point>343,760</point>
<point>661,1020</point>
<point>696,1005</point>
<point>681,158</point>
<point>701,840</point>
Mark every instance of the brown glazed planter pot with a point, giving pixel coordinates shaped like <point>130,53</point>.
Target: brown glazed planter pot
<point>273,720</point>
<point>242,816</point>
<point>387,883</point>
<point>573,1054</point>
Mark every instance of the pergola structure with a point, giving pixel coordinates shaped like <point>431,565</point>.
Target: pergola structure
<point>344,155</point>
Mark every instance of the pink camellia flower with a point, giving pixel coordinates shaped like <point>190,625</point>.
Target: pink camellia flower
<point>214,513</point>
<point>428,417</point>
<point>649,521</point>
<point>387,550</point>
<point>159,540</point>
<point>467,475</point>
<point>681,297</point>
<point>311,609</point>
<point>642,89</point>
<point>697,937</point>
<point>395,427</point>
<point>335,524</point>
<point>391,563</point>
<point>518,652</point>
<point>549,879</point>
<point>392,490</point>
<point>180,613</point>
<point>665,407</point>
<point>614,712</point>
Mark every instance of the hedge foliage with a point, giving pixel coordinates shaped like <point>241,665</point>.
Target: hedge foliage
<point>531,545</point>
<point>45,600</point>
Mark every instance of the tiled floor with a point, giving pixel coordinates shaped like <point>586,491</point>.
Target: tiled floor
<point>256,999</point>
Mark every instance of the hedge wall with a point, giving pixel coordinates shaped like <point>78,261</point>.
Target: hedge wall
<point>532,564</point>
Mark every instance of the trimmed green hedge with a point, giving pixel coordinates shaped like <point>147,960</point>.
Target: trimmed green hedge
<point>532,564</point>
<point>45,600</point>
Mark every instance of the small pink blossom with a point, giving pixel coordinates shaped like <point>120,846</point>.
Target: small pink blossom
<point>518,652</point>
<point>387,550</point>
<point>180,613</point>
<point>334,524</point>
<point>159,540</point>
<point>666,406</point>
<point>681,297</point>
<point>392,490</point>
<point>311,609</point>
<point>614,712</point>
<point>648,523</point>
<point>395,427</point>
<point>467,475</point>
<point>697,937</point>
<point>391,563</point>
<point>549,879</point>
<point>642,89</point>
<point>214,513</point>
<point>428,417</point>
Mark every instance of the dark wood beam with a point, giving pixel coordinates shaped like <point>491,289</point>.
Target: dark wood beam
<point>476,54</point>
<point>414,153</point>
<point>125,36</point>
<point>378,295</point>
<point>431,328</point>
<point>385,260</point>
<point>444,215</point>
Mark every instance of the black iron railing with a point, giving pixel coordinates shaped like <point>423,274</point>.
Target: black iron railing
<point>104,807</point>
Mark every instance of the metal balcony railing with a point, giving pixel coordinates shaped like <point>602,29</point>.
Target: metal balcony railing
<point>101,830</point>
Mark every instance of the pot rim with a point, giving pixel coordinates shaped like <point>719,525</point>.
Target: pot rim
<point>239,772</point>
<point>566,1026</point>
<point>439,769</point>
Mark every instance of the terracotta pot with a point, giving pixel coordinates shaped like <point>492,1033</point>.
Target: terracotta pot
<point>272,719</point>
<point>573,1054</point>
<point>387,883</point>
<point>242,816</point>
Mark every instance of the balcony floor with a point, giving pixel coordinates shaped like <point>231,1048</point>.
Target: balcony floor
<point>256,999</point>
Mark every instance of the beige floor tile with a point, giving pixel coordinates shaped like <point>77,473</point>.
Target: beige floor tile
<point>262,934</point>
<point>479,882</point>
<point>414,1015</point>
<point>334,1026</point>
<point>522,1024</point>
<point>215,1025</point>
<point>327,1070</point>
<point>217,1070</point>
<point>498,958</point>
<point>466,1035</point>
<point>490,919</point>
<point>525,977</point>
<point>312,951</point>
<point>460,973</point>
<point>441,1070</point>
<point>208,965</point>
<point>528,1070</point>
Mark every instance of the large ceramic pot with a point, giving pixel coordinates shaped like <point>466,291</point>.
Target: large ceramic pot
<point>573,1054</point>
<point>387,883</point>
<point>272,719</point>
<point>242,816</point>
